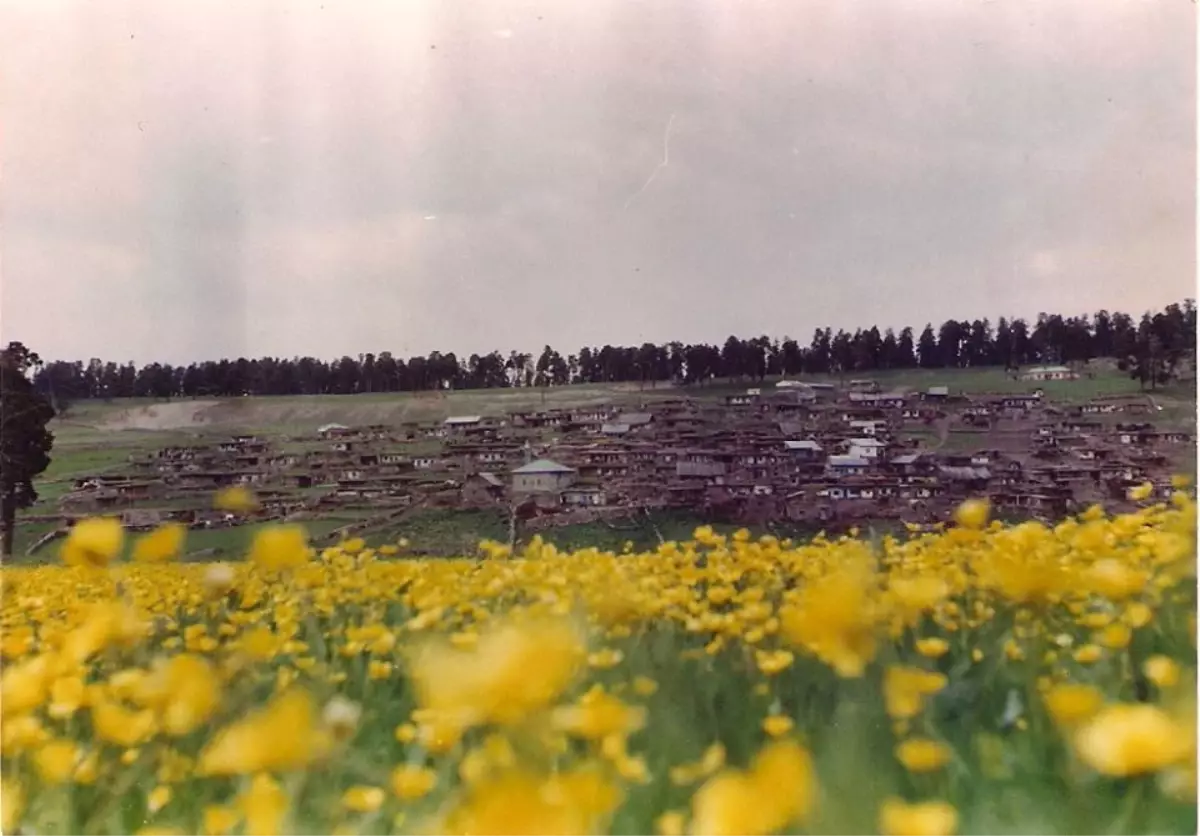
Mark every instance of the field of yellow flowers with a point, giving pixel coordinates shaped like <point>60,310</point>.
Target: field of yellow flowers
<point>979,678</point>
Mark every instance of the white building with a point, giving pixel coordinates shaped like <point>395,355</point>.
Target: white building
<point>1049,373</point>
<point>865,448</point>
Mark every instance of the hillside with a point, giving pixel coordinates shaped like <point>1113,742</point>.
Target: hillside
<point>303,413</point>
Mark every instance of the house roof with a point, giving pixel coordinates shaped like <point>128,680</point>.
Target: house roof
<point>867,442</point>
<point>492,479</point>
<point>804,444</point>
<point>1044,369</point>
<point>939,390</point>
<point>965,472</point>
<point>328,427</point>
<point>634,418</point>
<point>615,429</point>
<point>544,466</point>
<point>463,419</point>
<point>847,461</point>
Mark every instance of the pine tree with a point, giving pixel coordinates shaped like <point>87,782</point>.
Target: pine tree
<point>24,440</point>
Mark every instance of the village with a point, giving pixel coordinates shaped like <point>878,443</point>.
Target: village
<point>796,452</point>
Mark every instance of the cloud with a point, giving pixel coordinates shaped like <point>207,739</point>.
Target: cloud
<point>264,178</point>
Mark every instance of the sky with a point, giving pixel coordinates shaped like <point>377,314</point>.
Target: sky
<point>199,179</point>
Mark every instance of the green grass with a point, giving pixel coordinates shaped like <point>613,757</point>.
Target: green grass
<point>235,541</point>
<point>29,533</point>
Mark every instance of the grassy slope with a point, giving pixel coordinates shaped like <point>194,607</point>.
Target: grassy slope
<point>91,440</point>
<point>296,414</point>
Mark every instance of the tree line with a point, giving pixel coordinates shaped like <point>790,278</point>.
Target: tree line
<point>1150,349</point>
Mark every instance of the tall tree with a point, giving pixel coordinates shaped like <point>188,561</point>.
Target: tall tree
<point>25,442</point>
<point>927,349</point>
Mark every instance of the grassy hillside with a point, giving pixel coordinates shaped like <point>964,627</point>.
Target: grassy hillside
<point>89,422</point>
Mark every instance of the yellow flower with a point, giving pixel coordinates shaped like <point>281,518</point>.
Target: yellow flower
<point>644,686</point>
<point>1114,579</point>
<point>1071,704</point>
<point>834,619</point>
<point>24,686</point>
<point>280,547</point>
<point>927,818</point>
<point>55,762</point>
<point>1131,739</point>
<point>160,545</point>
<point>67,695</point>
<point>363,799</point>
<point>516,802</point>
<point>218,820</point>
<point>1162,671</point>
<point>727,805</point>
<point>412,782</point>
<point>93,542</point>
<point>606,658</point>
<point>778,789</point>
<point>236,498</point>
<point>598,715</point>
<point>115,724</point>
<point>905,689</point>
<point>186,691</point>
<point>771,662</point>
<point>12,804</point>
<point>495,753</point>
<point>158,798</point>
<point>264,806</point>
<point>1088,654</point>
<point>517,668</point>
<point>1141,492</point>
<point>973,513</point>
<point>1115,636</point>
<point>670,823</point>
<point>1137,614</point>
<point>922,755</point>
<point>777,725</point>
<point>933,647</point>
<point>439,731</point>
<point>586,790</point>
<point>283,735</point>
<point>88,769</point>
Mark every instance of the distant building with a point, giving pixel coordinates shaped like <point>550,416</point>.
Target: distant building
<point>1049,373</point>
<point>846,466</point>
<point>542,476</point>
<point>865,448</point>
<point>803,450</point>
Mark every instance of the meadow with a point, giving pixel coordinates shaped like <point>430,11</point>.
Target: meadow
<point>979,678</point>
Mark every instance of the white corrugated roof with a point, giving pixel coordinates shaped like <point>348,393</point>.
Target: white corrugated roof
<point>544,466</point>
<point>463,419</point>
<point>804,444</point>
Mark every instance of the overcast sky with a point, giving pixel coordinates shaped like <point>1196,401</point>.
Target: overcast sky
<point>191,180</point>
